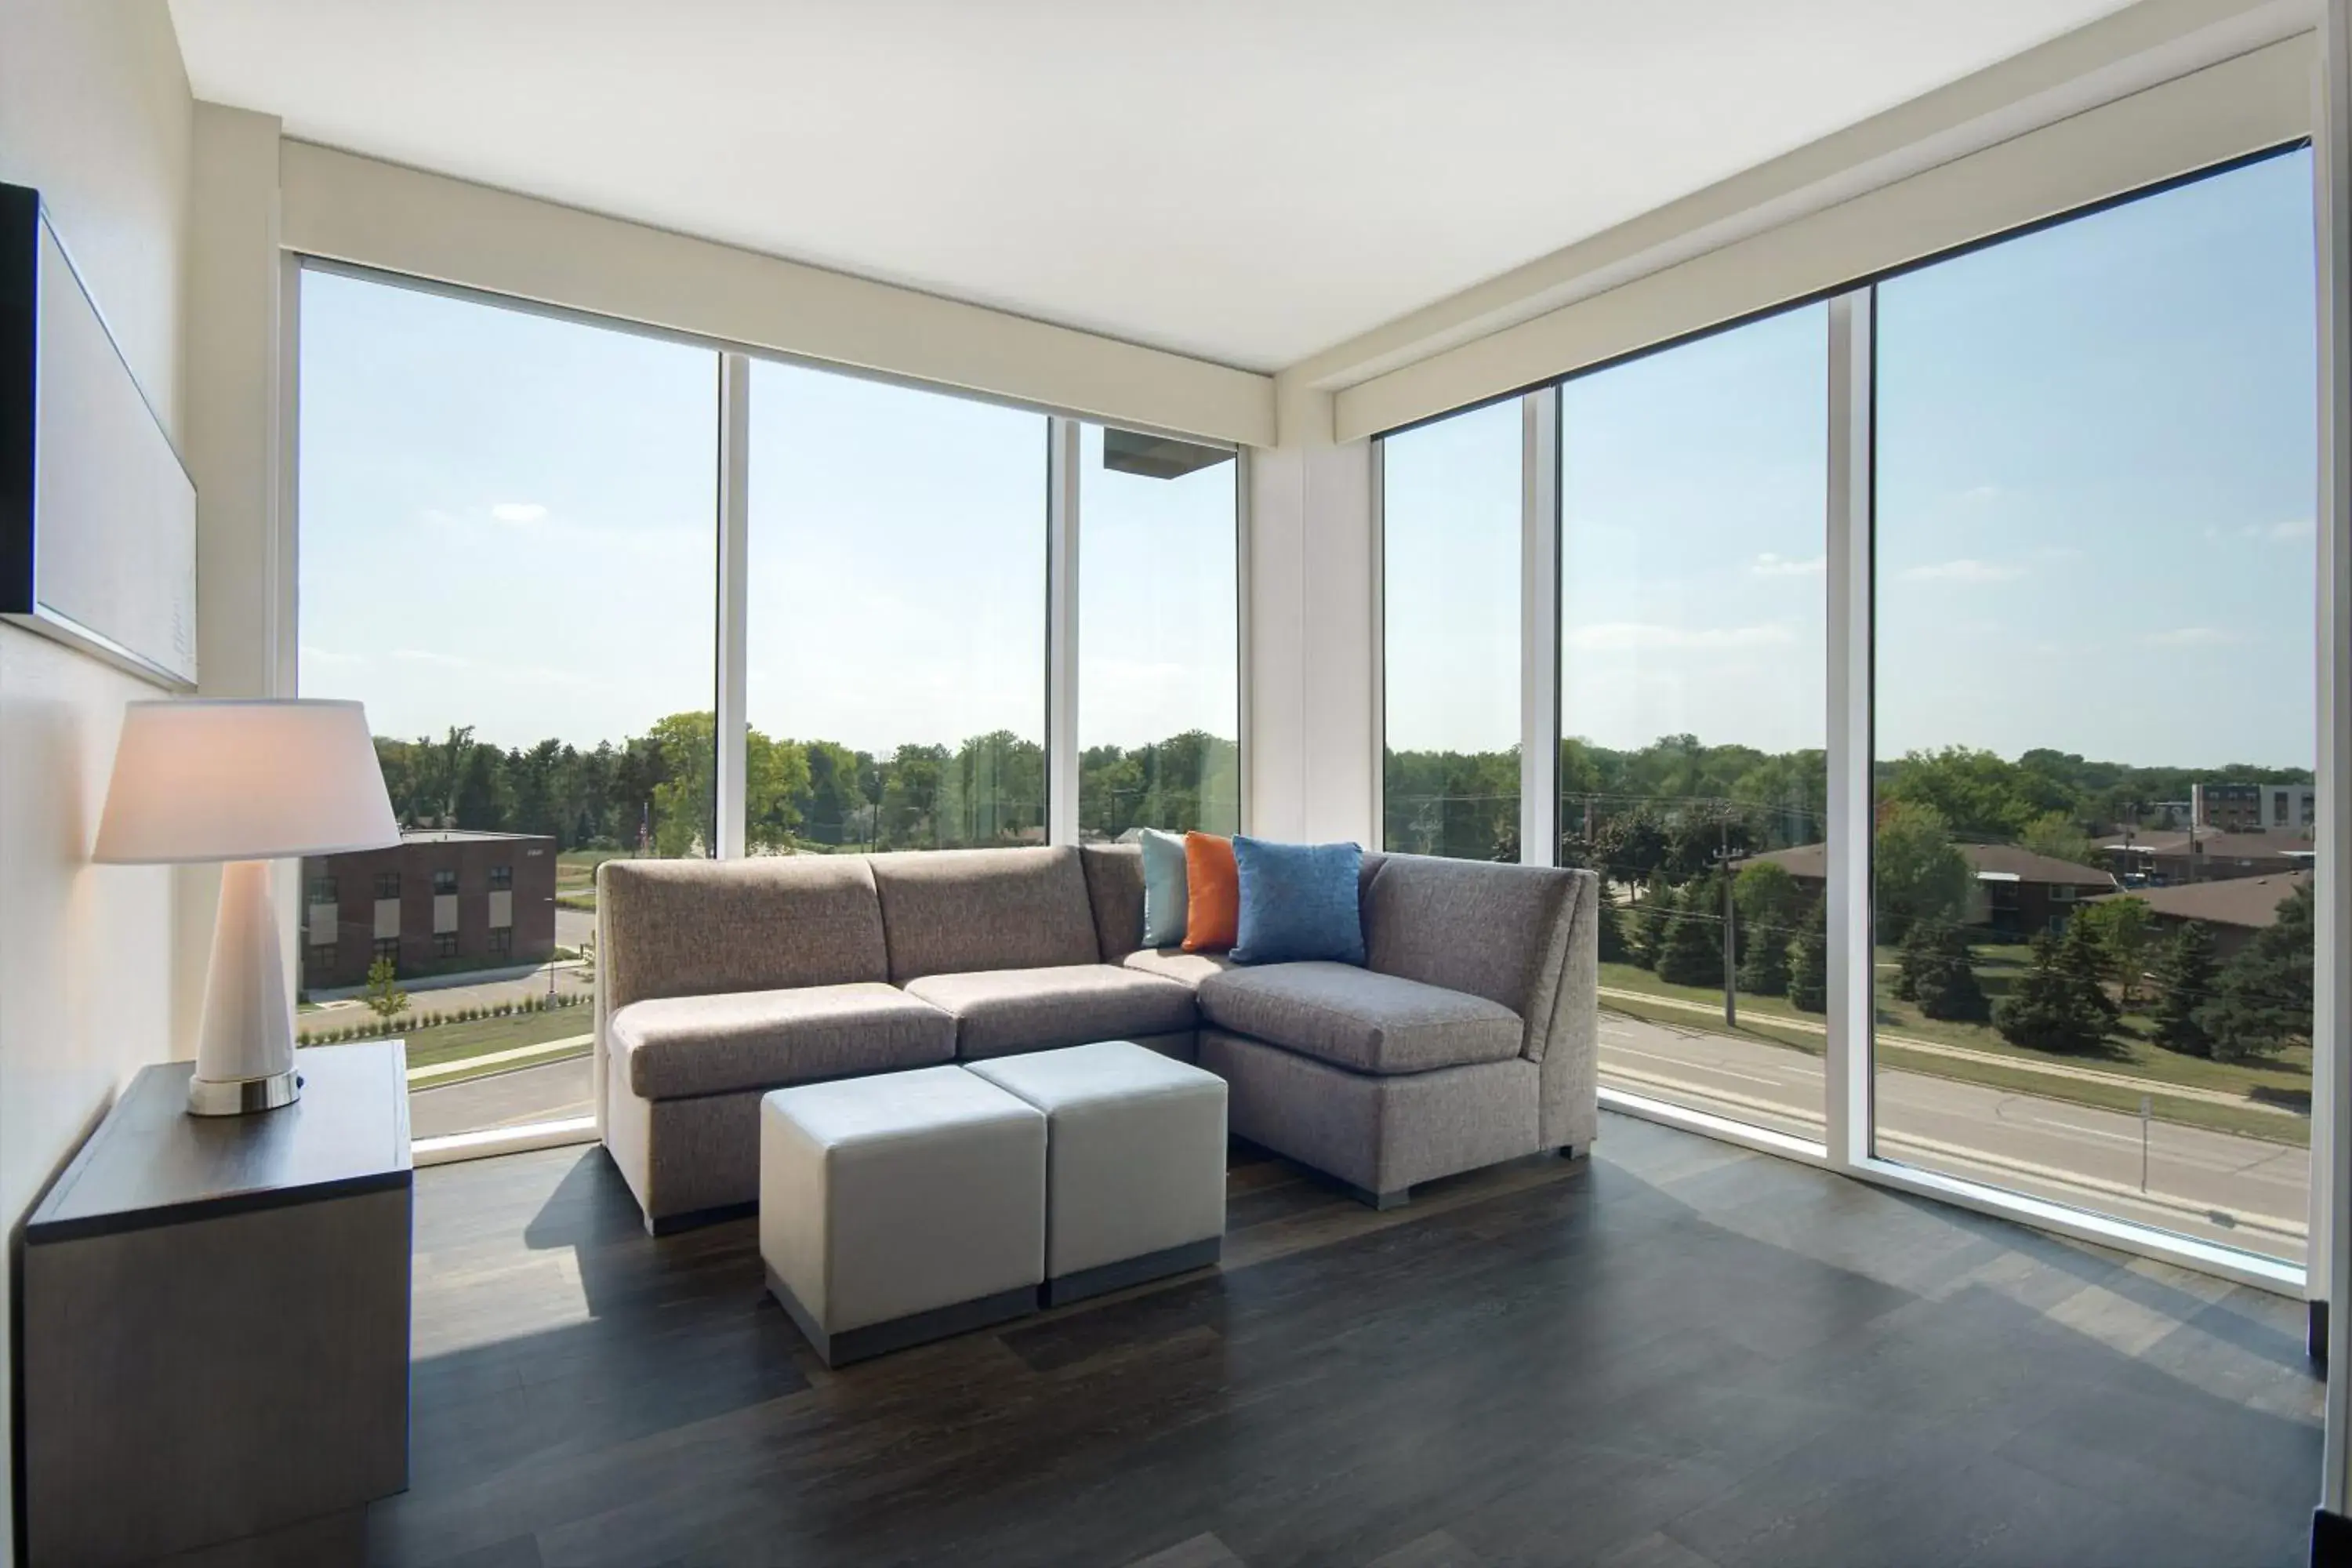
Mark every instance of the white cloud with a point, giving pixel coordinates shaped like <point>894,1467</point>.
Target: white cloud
<point>2192,636</point>
<point>518,511</point>
<point>426,656</point>
<point>2290,530</point>
<point>1770,566</point>
<point>322,656</point>
<point>1609,636</point>
<point>1965,572</point>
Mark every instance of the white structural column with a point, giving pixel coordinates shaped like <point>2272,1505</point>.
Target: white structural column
<point>2330,1261</point>
<point>1313,758</point>
<point>734,599</point>
<point>1539,630</point>
<point>1062,631</point>
<point>1846,1065</point>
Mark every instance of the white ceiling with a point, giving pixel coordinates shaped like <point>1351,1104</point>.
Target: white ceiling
<point>1248,181</point>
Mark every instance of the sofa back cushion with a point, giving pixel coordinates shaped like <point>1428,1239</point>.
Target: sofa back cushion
<point>952,911</point>
<point>687,928</point>
<point>1495,931</point>
<point>1115,889</point>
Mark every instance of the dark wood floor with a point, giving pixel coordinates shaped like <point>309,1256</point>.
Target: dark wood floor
<point>1675,1355</point>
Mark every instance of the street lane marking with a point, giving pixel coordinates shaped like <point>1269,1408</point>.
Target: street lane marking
<point>1688,1066</point>
<point>436,1071</point>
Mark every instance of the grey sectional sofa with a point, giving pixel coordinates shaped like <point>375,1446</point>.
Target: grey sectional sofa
<point>1467,1039</point>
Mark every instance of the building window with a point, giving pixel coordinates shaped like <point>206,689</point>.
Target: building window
<point>445,882</point>
<point>2109,396</point>
<point>444,944</point>
<point>917,696</point>
<point>385,950</point>
<point>387,885</point>
<point>1693,688</point>
<point>501,879</point>
<point>1159,635</point>
<point>502,940</point>
<point>319,955</point>
<point>322,889</point>
<point>1450,568</point>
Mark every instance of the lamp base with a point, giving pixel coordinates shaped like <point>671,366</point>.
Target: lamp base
<point>241,1095</point>
<point>245,1045</point>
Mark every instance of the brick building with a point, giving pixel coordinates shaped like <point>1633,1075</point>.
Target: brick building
<point>2017,893</point>
<point>441,900</point>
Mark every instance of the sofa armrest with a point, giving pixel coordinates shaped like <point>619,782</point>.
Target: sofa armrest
<point>1568,1054</point>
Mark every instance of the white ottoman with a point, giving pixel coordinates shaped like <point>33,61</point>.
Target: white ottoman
<point>1135,1163</point>
<point>899,1208</point>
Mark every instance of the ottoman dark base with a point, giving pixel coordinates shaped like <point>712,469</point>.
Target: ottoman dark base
<point>872,1339</point>
<point>1109,1276</point>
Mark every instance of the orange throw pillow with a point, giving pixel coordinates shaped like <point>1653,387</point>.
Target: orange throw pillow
<point>1212,894</point>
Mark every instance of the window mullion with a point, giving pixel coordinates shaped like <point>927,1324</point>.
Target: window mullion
<point>1062,631</point>
<point>1540,721</point>
<point>1846,1065</point>
<point>731,738</point>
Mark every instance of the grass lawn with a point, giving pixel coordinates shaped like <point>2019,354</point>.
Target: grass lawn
<point>481,1036</point>
<point>2283,1081</point>
<point>575,875</point>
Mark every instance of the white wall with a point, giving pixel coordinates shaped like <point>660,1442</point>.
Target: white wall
<point>95,113</point>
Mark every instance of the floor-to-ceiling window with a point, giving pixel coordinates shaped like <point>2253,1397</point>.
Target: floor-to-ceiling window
<point>1450,534</point>
<point>1692,701</point>
<point>1159,635</point>
<point>896,635</point>
<point>507,553</point>
<point>2095,710</point>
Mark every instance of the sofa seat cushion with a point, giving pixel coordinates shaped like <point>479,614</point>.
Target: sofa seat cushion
<point>1361,1019</point>
<point>675,1047</point>
<point>999,1011</point>
<point>1175,963</point>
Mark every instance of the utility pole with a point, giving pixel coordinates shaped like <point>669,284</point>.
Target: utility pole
<point>1730,940</point>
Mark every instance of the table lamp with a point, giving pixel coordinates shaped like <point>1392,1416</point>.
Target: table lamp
<point>244,783</point>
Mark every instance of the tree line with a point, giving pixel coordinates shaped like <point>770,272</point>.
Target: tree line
<point>656,791</point>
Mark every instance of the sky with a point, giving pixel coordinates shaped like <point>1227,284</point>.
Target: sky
<point>2095,474</point>
<point>509,521</point>
<point>2095,463</point>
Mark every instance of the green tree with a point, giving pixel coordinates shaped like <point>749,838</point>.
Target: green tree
<point>1651,918</point>
<point>1612,931</point>
<point>1809,961</point>
<point>1764,960</point>
<point>775,783</point>
<point>2059,835</point>
<point>1692,953</point>
<point>1976,794</point>
<point>1944,978</point>
<point>2060,1004</point>
<point>2124,932</point>
<point>2262,1000</point>
<point>2184,977</point>
<point>685,802</point>
<point>1919,875</point>
<point>383,996</point>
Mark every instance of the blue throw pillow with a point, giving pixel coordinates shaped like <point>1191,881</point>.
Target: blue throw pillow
<point>1164,893</point>
<point>1299,901</point>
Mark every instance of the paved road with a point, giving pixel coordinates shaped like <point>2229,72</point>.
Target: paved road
<point>2244,1192</point>
<point>547,1093</point>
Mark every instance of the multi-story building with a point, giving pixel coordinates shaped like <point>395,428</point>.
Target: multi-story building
<point>2255,807</point>
<point>441,900</point>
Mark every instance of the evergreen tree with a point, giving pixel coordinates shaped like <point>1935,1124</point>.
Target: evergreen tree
<point>2060,1004</point>
<point>2185,974</point>
<point>2262,1000</point>
<point>1917,951</point>
<point>1692,952</point>
<point>1764,961</point>
<point>1944,979</point>
<point>1613,929</point>
<point>1651,916</point>
<point>1809,961</point>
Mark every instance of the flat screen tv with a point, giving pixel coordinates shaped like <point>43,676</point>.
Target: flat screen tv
<point>98,516</point>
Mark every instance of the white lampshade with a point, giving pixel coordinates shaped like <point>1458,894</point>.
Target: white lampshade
<point>243,781</point>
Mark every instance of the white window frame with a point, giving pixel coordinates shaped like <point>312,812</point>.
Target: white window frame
<point>1848,1145</point>
<point>732,586</point>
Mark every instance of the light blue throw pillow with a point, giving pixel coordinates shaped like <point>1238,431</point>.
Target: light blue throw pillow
<point>1299,901</point>
<point>1164,891</point>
